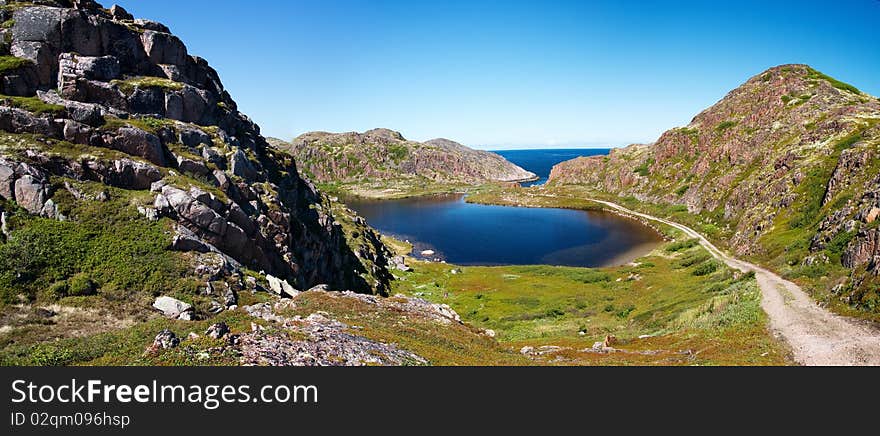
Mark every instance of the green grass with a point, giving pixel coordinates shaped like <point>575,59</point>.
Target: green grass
<point>682,190</point>
<point>9,63</point>
<point>32,104</point>
<point>574,307</point>
<point>682,245</point>
<point>644,169</point>
<point>815,75</point>
<point>128,86</point>
<point>105,247</point>
<point>398,152</point>
<point>725,125</point>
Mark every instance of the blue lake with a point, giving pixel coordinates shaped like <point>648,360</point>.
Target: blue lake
<point>474,234</point>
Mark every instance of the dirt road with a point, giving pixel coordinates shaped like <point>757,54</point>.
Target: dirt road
<point>815,335</point>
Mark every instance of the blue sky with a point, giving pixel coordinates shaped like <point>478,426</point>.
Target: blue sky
<point>510,74</point>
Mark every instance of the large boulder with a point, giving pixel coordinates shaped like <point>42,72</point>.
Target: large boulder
<point>129,174</point>
<point>7,180</point>
<point>194,211</point>
<point>137,142</point>
<point>30,193</point>
<point>104,68</point>
<point>242,166</point>
<point>173,308</point>
<point>119,13</point>
<point>164,48</point>
<point>16,120</point>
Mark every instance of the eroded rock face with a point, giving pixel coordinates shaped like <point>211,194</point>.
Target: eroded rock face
<point>128,106</point>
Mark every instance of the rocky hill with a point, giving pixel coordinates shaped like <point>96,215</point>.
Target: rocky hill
<point>385,155</point>
<point>125,167</point>
<point>785,169</point>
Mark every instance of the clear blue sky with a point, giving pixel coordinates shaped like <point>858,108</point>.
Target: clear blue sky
<point>510,73</point>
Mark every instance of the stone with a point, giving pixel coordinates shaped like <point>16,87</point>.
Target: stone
<point>527,350</point>
<point>148,212</point>
<point>72,66</point>
<point>217,330</point>
<point>196,106</point>
<point>147,101</point>
<point>173,106</point>
<point>166,339</point>
<point>7,181</point>
<point>191,166</point>
<point>399,263</point>
<point>194,211</point>
<point>281,287</point>
<point>151,25</point>
<point>137,142</point>
<point>30,193</point>
<point>76,132</point>
<point>319,288</point>
<point>164,48</point>
<point>118,13</point>
<point>241,166</point>
<point>172,307</point>
<point>16,120</point>
<point>193,138</point>
<point>872,215</point>
<point>129,174</point>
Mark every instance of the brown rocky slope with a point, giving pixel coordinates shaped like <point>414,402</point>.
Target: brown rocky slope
<point>784,169</point>
<point>383,154</point>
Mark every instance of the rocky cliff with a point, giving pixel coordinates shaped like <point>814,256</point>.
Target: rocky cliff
<point>785,168</point>
<point>383,154</point>
<point>102,114</point>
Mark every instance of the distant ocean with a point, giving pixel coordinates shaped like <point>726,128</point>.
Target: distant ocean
<point>541,162</point>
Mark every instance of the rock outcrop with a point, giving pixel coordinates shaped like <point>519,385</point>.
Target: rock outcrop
<point>383,154</point>
<point>784,168</point>
<point>93,94</point>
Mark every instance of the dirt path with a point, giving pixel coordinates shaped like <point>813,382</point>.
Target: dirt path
<point>816,336</point>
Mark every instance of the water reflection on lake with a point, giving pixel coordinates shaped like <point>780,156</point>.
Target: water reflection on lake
<point>473,234</point>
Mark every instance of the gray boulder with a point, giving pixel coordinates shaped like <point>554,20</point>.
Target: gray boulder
<point>194,211</point>
<point>173,106</point>
<point>7,180</point>
<point>147,101</point>
<point>118,13</point>
<point>281,287</point>
<point>193,138</point>
<point>16,120</point>
<point>192,166</point>
<point>151,25</point>
<point>166,339</point>
<point>242,166</point>
<point>30,193</point>
<point>164,48</point>
<point>217,331</point>
<point>173,308</point>
<point>103,68</point>
<point>129,174</point>
<point>137,142</point>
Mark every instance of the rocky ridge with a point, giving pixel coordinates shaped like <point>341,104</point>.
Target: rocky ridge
<point>385,154</point>
<point>93,95</point>
<point>786,166</point>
